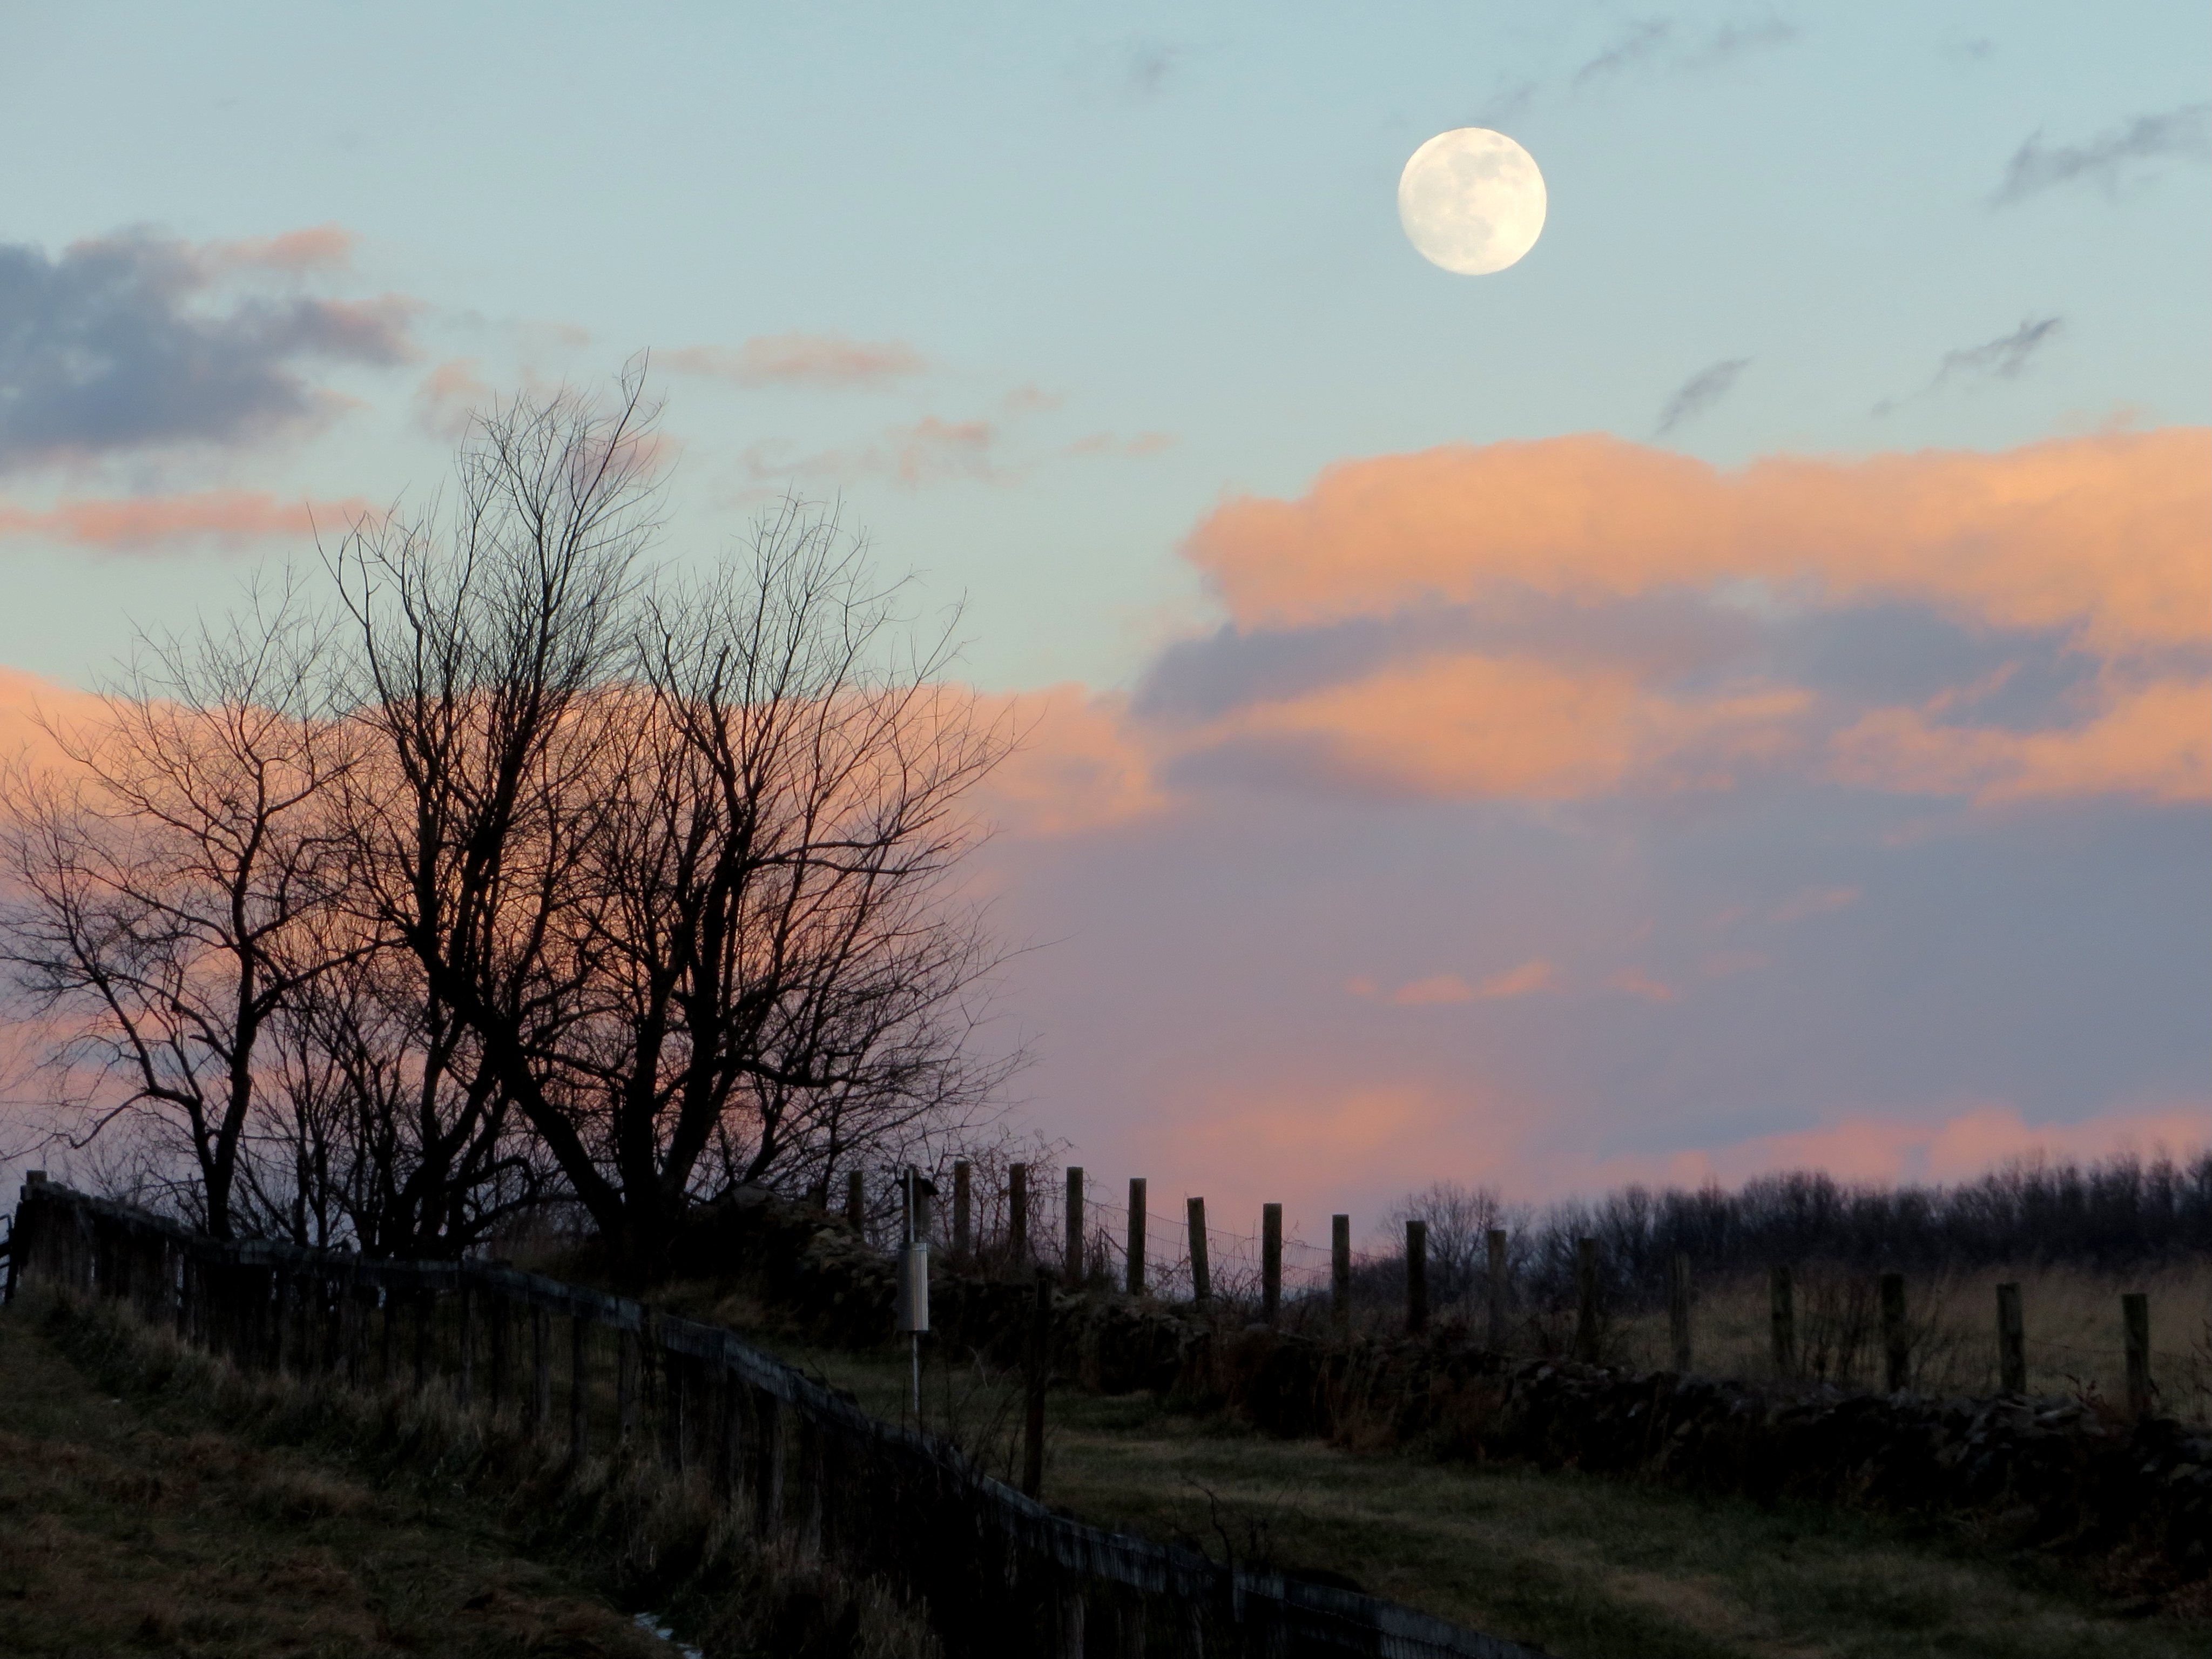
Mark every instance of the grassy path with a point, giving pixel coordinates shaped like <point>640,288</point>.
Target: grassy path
<point>126,1529</point>
<point>1587,1568</point>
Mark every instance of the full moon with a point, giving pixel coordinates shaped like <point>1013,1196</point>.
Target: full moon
<point>1472,201</point>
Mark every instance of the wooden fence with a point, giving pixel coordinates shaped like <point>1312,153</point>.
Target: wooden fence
<point>998,1572</point>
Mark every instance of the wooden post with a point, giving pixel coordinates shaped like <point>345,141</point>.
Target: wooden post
<point>729,1465</point>
<point>579,1388</point>
<point>963,1239</point>
<point>386,1360</point>
<point>2135,1321</point>
<point>1782,1320</point>
<point>1678,1312</point>
<point>1136,1274</point>
<point>1896,1344</point>
<point>1018,1215</point>
<point>676,1408</point>
<point>767,1484</point>
<point>1071,1255</point>
<point>1417,1277</point>
<point>1039,1346</point>
<point>464,1373</point>
<point>2012,1341</point>
<point>426,1308</point>
<point>1201,1278</point>
<point>1271,1262</point>
<point>1071,1632</point>
<point>856,1201</point>
<point>625,1386</point>
<point>1495,1244</point>
<point>496,1316</point>
<point>1340,1275</point>
<point>1587,1309</point>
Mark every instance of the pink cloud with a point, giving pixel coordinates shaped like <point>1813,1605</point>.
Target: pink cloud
<point>229,518</point>
<point>832,360</point>
<point>1441,989</point>
<point>317,247</point>
<point>1813,901</point>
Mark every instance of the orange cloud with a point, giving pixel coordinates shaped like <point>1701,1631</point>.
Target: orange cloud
<point>1637,984</point>
<point>2154,741</point>
<point>1078,767</point>
<point>1482,725</point>
<point>1446,988</point>
<point>228,517</point>
<point>2102,537</point>
<point>821,360</point>
<point>315,248</point>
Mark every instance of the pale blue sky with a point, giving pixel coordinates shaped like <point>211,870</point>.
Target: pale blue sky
<point>1172,220</point>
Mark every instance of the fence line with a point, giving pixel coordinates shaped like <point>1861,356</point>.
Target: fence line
<point>999,1573</point>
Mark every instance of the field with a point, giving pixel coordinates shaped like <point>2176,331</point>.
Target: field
<point>138,1525</point>
<point>1591,1567</point>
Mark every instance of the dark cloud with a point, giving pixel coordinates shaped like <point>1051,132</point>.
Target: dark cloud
<point>1643,41</point>
<point>1701,392</point>
<point>132,342</point>
<point>1147,68</point>
<point>2184,134</point>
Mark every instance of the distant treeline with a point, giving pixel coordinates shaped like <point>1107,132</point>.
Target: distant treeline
<point>2118,1211</point>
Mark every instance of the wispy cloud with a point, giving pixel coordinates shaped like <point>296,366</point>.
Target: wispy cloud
<point>832,360</point>
<point>1146,67</point>
<point>2005,358</point>
<point>932,450</point>
<point>1443,990</point>
<point>1656,43</point>
<point>227,518</point>
<point>2184,134</point>
<point>1701,392</point>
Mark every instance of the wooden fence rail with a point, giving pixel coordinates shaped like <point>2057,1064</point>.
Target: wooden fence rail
<point>998,1571</point>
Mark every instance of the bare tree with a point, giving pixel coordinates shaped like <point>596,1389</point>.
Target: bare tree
<point>170,879</point>
<point>675,856</point>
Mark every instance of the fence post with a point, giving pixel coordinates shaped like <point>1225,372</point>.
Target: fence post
<point>963,1239</point>
<point>541,1371</point>
<point>1678,1312</point>
<point>1896,1344</point>
<point>1072,1259</point>
<point>387,1360</point>
<point>1040,1344</point>
<point>730,1462</point>
<point>1782,1320</point>
<point>856,1201</point>
<point>2012,1341</point>
<point>2135,1320</point>
<point>1271,1262</point>
<point>579,1388</point>
<point>496,1315</point>
<point>1587,1310</point>
<point>1494,1244</point>
<point>1136,1274</point>
<point>1201,1276</point>
<point>426,1306</point>
<point>1017,1214</point>
<point>1339,1274</point>
<point>625,1386</point>
<point>1070,1645</point>
<point>464,1374</point>
<point>768,1486</point>
<point>1417,1277</point>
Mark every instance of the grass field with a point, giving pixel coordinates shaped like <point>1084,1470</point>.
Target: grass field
<point>1589,1568</point>
<point>131,1526</point>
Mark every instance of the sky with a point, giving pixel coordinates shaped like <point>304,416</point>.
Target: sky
<point>1732,689</point>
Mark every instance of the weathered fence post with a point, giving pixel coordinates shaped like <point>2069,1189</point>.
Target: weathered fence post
<point>1494,1244</point>
<point>1136,1276</point>
<point>1018,1215</point>
<point>730,1461</point>
<point>426,1308</point>
<point>1417,1277</point>
<point>1782,1320</point>
<point>2012,1341</point>
<point>1588,1311</point>
<point>1072,1258</point>
<point>676,1406</point>
<point>625,1386</point>
<point>580,1387</point>
<point>541,1371</point>
<point>963,1240</point>
<point>1340,1275</point>
<point>1071,1634</point>
<point>768,1480</point>
<point>856,1201</point>
<point>501,1358</point>
<point>464,1372</point>
<point>1038,1354</point>
<point>388,1358</point>
<point>1201,1276</point>
<point>1271,1262</point>
<point>2135,1321</point>
<point>1678,1312</point>
<point>1896,1342</point>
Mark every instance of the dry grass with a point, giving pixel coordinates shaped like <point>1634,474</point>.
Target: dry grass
<point>2072,1317</point>
<point>177,1506</point>
<point>1591,1567</point>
